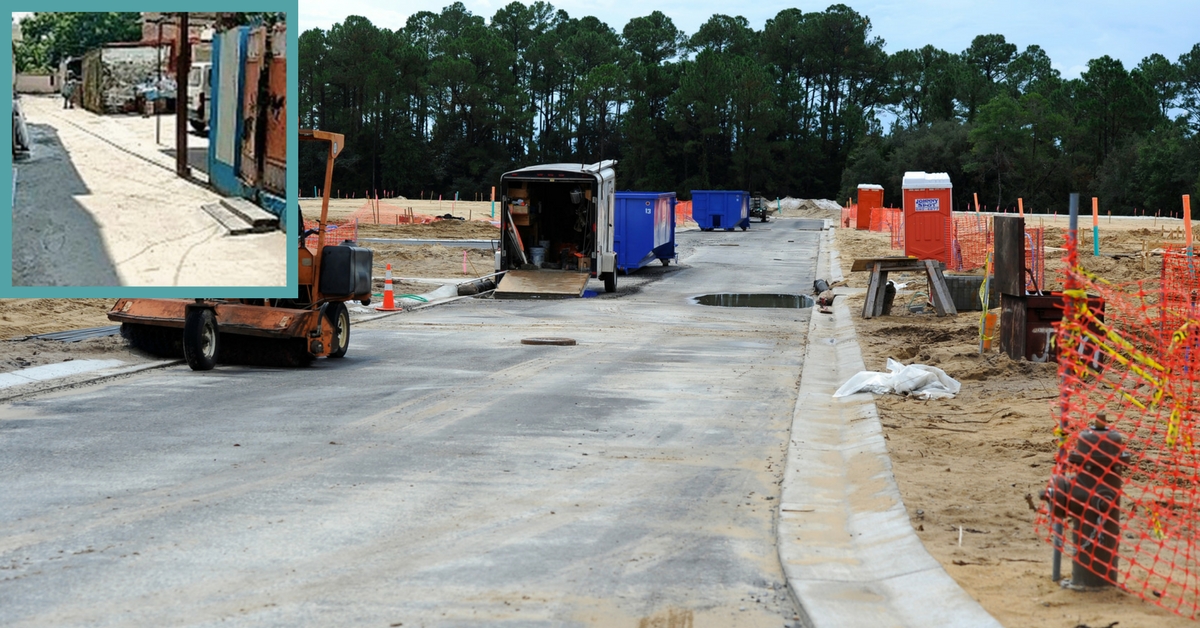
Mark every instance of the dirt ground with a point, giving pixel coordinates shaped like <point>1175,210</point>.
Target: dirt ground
<point>970,461</point>
<point>343,208</point>
<point>24,317</point>
<point>439,230</point>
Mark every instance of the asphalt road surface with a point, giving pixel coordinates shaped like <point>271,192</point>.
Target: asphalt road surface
<point>442,474</point>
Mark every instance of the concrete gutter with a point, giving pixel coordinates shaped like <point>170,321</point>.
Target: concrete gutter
<point>848,550</point>
<point>80,379</point>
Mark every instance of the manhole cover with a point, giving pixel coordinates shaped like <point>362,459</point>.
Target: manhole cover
<point>733,299</point>
<point>561,342</point>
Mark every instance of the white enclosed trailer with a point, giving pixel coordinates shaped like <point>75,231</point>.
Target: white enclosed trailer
<point>561,217</point>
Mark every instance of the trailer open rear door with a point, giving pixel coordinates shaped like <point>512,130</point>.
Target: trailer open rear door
<point>542,284</point>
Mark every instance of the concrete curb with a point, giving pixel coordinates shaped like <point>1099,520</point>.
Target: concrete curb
<point>91,377</point>
<point>848,550</point>
<point>422,306</point>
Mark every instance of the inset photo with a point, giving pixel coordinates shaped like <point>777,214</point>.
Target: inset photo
<point>149,150</point>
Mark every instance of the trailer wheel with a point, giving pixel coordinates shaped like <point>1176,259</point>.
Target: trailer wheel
<point>339,317</point>
<point>666,261</point>
<point>200,339</point>
<point>610,281</point>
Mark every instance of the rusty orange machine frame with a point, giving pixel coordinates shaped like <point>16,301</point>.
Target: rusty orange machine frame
<point>312,325</point>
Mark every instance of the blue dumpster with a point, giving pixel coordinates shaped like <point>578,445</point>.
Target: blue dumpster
<point>643,229</point>
<point>721,209</point>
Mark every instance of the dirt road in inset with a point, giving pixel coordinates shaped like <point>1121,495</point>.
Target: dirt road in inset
<point>98,204</point>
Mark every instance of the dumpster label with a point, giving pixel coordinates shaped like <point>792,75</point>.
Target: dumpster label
<point>927,204</point>
<point>649,209</point>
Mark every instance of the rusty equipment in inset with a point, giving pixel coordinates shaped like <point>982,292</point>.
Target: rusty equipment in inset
<point>1091,498</point>
<point>288,332</point>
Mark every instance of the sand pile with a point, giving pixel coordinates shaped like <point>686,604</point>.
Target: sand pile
<point>810,208</point>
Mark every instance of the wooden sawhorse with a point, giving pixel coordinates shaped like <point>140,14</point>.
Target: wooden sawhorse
<point>881,266</point>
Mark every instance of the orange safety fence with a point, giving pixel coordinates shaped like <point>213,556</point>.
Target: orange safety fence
<point>382,212</point>
<point>1124,500</point>
<point>850,216</point>
<point>683,212</point>
<point>971,237</point>
<point>888,219</point>
<point>336,232</point>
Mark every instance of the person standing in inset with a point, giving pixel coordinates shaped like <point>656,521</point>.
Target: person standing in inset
<point>68,91</point>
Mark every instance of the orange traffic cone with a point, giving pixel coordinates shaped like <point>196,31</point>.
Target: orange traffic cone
<point>389,298</point>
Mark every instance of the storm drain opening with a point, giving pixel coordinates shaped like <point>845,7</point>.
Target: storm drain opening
<point>733,299</point>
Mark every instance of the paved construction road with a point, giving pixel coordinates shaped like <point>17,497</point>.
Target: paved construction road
<point>442,474</point>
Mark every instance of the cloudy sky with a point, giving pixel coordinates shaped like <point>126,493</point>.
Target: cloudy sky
<point>1071,31</point>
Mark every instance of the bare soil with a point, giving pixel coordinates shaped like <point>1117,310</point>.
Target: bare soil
<point>439,230</point>
<point>26,317</point>
<point>971,461</point>
<point>343,208</point>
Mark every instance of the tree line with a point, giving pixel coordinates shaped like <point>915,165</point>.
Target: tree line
<point>809,106</point>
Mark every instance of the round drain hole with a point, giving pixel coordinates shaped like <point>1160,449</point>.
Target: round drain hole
<point>733,299</point>
<point>560,342</point>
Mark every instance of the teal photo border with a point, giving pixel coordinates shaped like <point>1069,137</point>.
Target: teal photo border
<point>291,7</point>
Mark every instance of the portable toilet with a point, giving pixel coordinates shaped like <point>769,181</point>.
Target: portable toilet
<point>927,206</point>
<point>721,209</point>
<point>870,196</point>
<point>643,229</point>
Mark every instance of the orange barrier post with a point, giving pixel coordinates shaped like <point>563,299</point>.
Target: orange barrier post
<point>389,297</point>
<point>1020,206</point>
<point>976,195</point>
<point>1187,221</point>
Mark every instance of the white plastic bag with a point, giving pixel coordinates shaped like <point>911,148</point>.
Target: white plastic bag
<point>919,380</point>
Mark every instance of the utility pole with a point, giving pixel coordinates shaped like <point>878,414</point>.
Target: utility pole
<point>158,118</point>
<point>183,65</point>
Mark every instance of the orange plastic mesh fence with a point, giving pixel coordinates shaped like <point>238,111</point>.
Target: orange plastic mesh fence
<point>1133,361</point>
<point>971,241</point>
<point>683,212</point>
<point>887,219</point>
<point>335,233</point>
<point>850,215</point>
<point>971,237</point>
<point>382,212</point>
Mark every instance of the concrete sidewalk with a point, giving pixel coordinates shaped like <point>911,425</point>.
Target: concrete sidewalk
<point>849,552</point>
<point>98,204</point>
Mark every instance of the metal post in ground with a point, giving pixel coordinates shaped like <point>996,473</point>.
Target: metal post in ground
<point>1063,407</point>
<point>158,118</point>
<point>183,65</point>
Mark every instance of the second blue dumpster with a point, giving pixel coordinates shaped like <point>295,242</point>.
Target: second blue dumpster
<point>721,209</point>
<point>643,229</point>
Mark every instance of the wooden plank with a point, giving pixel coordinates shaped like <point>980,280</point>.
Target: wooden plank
<point>1010,255</point>
<point>1013,314</point>
<point>516,238</point>
<point>867,263</point>
<point>881,293</point>
<point>541,284</point>
<point>942,302</point>
<point>872,292</point>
